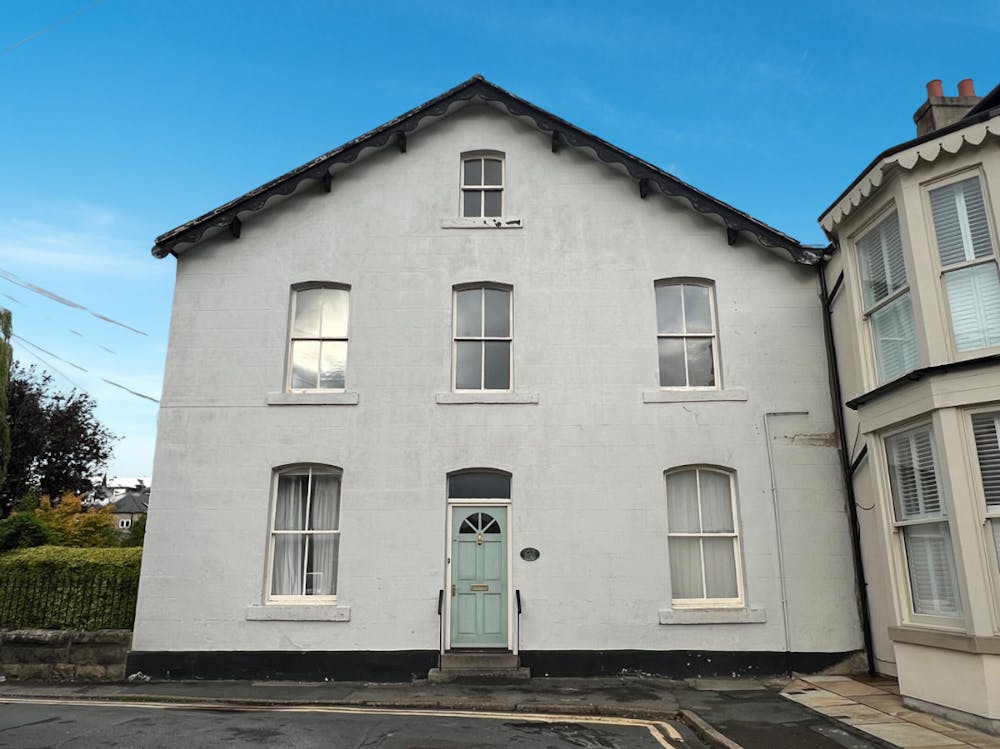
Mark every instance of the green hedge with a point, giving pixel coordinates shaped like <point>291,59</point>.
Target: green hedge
<point>56,587</point>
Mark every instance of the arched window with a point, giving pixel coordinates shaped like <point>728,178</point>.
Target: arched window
<point>686,333</point>
<point>305,532</point>
<point>317,347</point>
<point>703,537</point>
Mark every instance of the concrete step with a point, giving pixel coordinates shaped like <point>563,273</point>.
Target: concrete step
<point>479,676</point>
<point>478,661</point>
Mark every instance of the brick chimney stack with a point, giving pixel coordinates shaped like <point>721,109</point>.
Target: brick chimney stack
<point>940,110</point>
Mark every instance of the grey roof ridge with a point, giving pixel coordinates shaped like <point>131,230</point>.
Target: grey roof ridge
<point>562,131</point>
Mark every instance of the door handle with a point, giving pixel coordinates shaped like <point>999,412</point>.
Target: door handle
<point>452,591</point>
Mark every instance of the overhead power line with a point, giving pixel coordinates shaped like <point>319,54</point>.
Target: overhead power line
<point>51,26</point>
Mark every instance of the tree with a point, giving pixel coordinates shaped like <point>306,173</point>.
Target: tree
<point>71,525</point>
<point>57,443</point>
<point>5,362</point>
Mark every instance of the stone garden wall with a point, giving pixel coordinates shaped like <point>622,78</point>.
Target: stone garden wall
<point>98,655</point>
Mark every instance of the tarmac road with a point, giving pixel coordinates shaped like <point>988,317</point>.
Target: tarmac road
<point>68,725</point>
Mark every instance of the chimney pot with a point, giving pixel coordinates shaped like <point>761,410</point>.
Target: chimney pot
<point>934,88</point>
<point>965,87</point>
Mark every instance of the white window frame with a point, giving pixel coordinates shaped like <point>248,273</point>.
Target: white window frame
<point>292,338</point>
<point>705,602</point>
<point>899,525</point>
<point>868,311</point>
<point>713,336</point>
<point>969,262</point>
<point>124,523</point>
<point>298,470</point>
<point>482,189</point>
<point>456,339</point>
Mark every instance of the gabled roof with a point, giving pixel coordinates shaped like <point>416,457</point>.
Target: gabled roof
<point>393,133</point>
<point>134,502</point>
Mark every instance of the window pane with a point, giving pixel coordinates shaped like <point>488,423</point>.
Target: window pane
<point>334,313</point>
<point>471,203</point>
<point>995,527</point>
<point>473,172</point>
<point>494,172</point>
<point>883,269</point>
<point>669,317</point>
<point>701,367</point>
<point>479,485</point>
<point>305,364</point>
<point>697,309</point>
<point>682,502</point>
<point>492,203</point>
<point>895,339</point>
<point>974,297</point>
<point>720,568</point>
<point>960,223</point>
<point>308,304</point>
<point>497,312</point>
<point>685,568</point>
<point>912,475</point>
<point>290,502</point>
<point>716,502</point>
<point>933,583</point>
<point>672,372</point>
<point>321,568</point>
<point>497,365</point>
<point>333,364</point>
<point>468,365</point>
<point>469,313</point>
<point>286,573</point>
<point>984,428</point>
<point>324,505</point>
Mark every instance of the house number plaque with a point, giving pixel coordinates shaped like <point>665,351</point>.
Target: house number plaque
<point>530,554</point>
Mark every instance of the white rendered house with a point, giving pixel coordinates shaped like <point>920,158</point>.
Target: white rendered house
<point>479,381</point>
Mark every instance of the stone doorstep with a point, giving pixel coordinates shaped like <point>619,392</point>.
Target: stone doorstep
<point>479,676</point>
<point>477,661</point>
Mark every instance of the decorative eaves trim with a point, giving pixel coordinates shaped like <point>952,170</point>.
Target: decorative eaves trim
<point>908,159</point>
<point>394,133</point>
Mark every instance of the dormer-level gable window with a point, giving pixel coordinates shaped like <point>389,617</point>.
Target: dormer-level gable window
<point>968,263</point>
<point>482,184</point>
<point>318,337</point>
<point>886,294</point>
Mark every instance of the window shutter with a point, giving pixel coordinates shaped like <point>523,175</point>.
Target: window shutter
<point>911,458</point>
<point>895,338</point>
<point>932,571</point>
<point>974,298</point>
<point>882,263</point>
<point>984,428</point>
<point>960,224</point>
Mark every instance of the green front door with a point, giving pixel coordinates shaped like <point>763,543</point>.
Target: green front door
<point>479,577</point>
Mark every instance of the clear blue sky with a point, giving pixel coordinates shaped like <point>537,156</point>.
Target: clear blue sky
<point>131,117</point>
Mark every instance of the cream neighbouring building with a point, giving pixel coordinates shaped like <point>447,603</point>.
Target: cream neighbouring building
<point>914,300</point>
<point>480,385</point>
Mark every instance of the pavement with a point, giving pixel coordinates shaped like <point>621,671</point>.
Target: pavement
<point>808,712</point>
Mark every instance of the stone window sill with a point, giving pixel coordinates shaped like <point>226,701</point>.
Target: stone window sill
<point>482,223</point>
<point>713,616</point>
<point>689,396</point>
<point>463,398</point>
<point>313,399</point>
<point>300,613</point>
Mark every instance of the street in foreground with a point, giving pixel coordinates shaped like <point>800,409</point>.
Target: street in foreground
<point>42,725</point>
